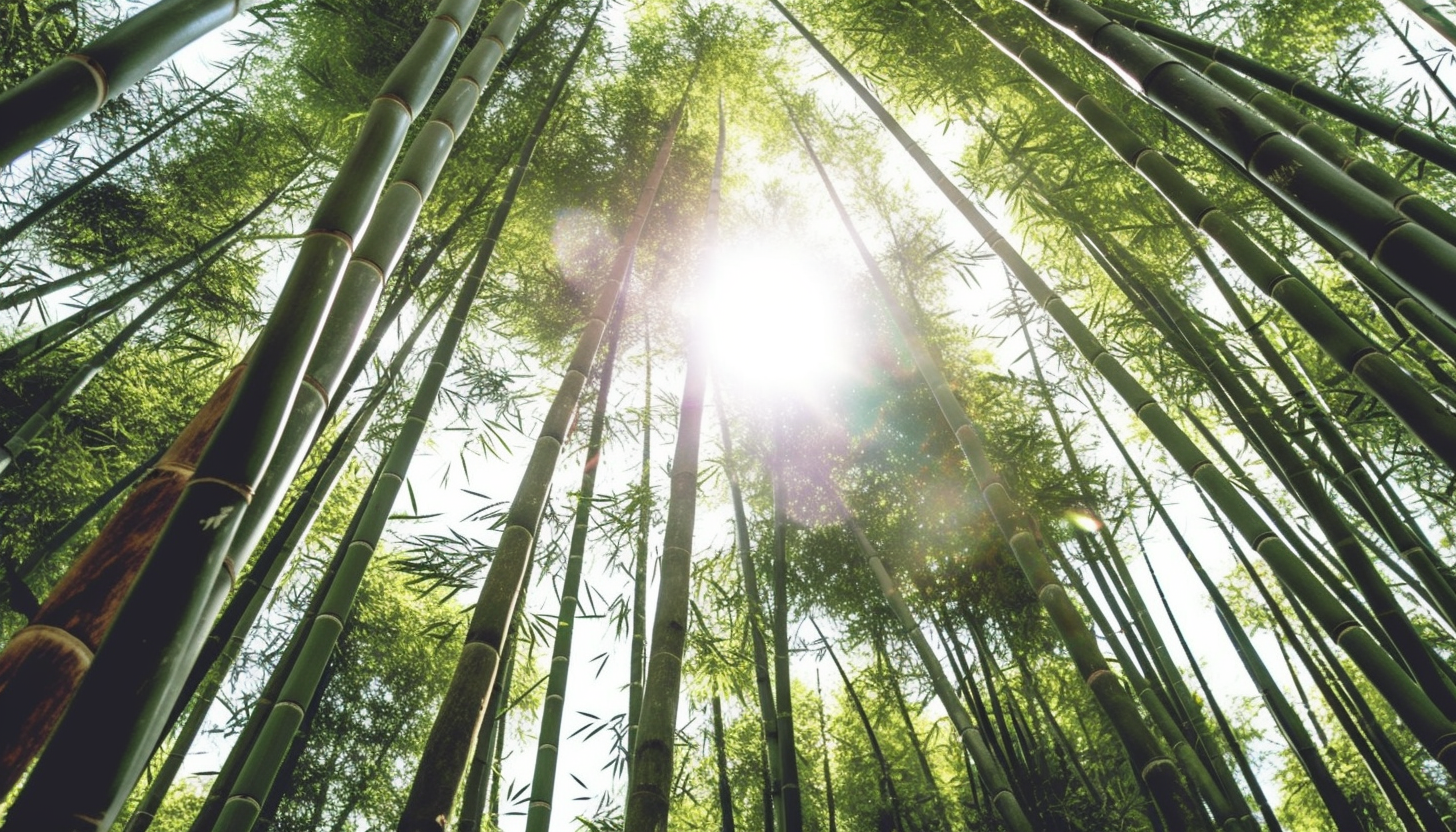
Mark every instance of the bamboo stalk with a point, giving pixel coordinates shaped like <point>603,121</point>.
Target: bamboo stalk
<point>790,798</point>
<point>725,788</point>
<point>637,670</point>
<point>78,84</point>
<point>1433,18</point>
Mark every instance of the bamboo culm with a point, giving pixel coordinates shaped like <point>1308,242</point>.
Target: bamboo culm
<point>78,84</point>
<point>100,748</point>
<point>1154,767</point>
<point>651,793</point>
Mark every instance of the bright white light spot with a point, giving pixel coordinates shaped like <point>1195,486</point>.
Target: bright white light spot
<point>1083,519</point>
<point>774,319</point>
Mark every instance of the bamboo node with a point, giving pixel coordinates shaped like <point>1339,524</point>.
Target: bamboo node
<point>1096,674</point>
<point>403,105</point>
<point>56,635</point>
<point>310,381</point>
<point>238,488</point>
<point>98,73</point>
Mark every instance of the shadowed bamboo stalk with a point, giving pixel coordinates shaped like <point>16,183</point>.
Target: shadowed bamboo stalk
<point>651,793</point>
<point>790,798</point>
<point>11,449</point>
<point>118,713</point>
<point>78,84</point>
<point>485,764</point>
<point>990,772</point>
<point>447,749</point>
<point>1427,419</point>
<point>829,804</point>
<point>1154,768</point>
<point>1410,254</point>
<point>720,752</point>
<point>1392,130</point>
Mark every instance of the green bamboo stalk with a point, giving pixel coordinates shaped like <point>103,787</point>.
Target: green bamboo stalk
<point>1376,123</point>
<point>1432,17</point>
<point>754,603</point>
<point>78,84</point>
<point>916,744</point>
<point>1064,745</point>
<point>790,797</point>
<point>992,775</point>
<point>725,788</point>
<point>962,667</point>
<point>38,420</point>
<point>485,763</point>
<point>48,337</point>
<point>14,299</point>
<point>1403,34</point>
<point>80,779</point>
<point>543,778</point>
<point>824,743</point>
<point>205,96</point>
<point>887,781</point>
<point>650,797</point>
<point>1426,418</point>
<point>1153,767</point>
<point>447,750</point>
<point>638,647</point>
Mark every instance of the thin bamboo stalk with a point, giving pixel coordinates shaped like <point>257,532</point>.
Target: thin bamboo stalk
<point>1154,768</point>
<point>992,775</point>
<point>1376,123</point>
<point>829,803</point>
<point>720,753</point>
<point>78,84</point>
<point>638,646</point>
<point>1433,18</point>
<point>447,749</point>
<point>650,798</point>
<point>115,719</point>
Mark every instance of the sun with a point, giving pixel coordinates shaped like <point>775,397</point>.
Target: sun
<point>774,319</point>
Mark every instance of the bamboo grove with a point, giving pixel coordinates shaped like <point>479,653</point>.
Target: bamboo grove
<point>915,416</point>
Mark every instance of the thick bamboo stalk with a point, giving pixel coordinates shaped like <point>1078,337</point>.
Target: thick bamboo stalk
<point>447,750</point>
<point>78,84</point>
<point>548,741</point>
<point>1376,123</point>
<point>1427,419</point>
<point>1154,768</point>
<point>117,715</point>
<point>987,769</point>
<point>650,798</point>
<point>485,763</point>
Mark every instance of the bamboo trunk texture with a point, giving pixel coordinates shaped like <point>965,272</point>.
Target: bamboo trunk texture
<point>637,670</point>
<point>1156,770</point>
<point>1410,254</point>
<point>67,90</point>
<point>1379,124</point>
<point>651,794</point>
<point>447,750</point>
<point>116,717</point>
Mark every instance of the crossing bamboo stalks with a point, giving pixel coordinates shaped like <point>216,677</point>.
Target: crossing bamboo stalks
<point>548,742</point>
<point>651,792</point>
<point>485,771</point>
<point>116,716</point>
<point>447,749</point>
<point>11,449</point>
<point>1425,417</point>
<point>225,641</point>
<point>1433,18</point>
<point>1379,124</point>
<point>78,84</point>
<point>1154,768</point>
<point>987,769</point>
<point>1410,254</point>
<point>48,337</point>
<point>743,546</point>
